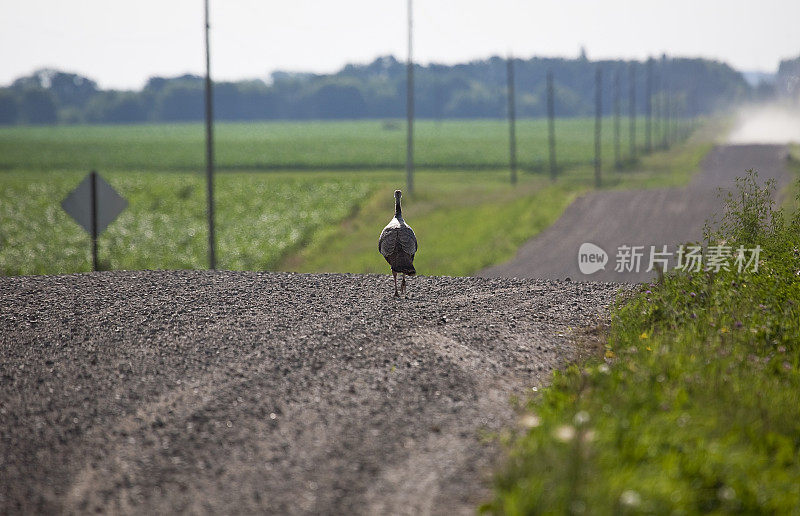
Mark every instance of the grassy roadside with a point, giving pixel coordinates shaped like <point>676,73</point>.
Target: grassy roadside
<point>469,220</point>
<point>696,407</point>
<point>791,194</point>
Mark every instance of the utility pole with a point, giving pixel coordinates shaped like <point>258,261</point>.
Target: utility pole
<point>665,108</point>
<point>551,124</point>
<point>512,118</point>
<point>648,107</point>
<point>410,109</point>
<point>617,160</point>
<point>632,108</point>
<point>657,115</point>
<point>598,110</point>
<point>212,258</point>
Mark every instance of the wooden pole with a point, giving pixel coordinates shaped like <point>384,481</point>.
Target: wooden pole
<point>410,108</point>
<point>598,110</point>
<point>617,118</point>
<point>657,108</point>
<point>665,109</point>
<point>93,210</point>
<point>632,109</point>
<point>212,258</point>
<point>512,137</point>
<point>551,124</point>
<point>648,107</point>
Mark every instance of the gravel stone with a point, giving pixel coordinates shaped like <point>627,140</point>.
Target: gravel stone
<point>231,392</point>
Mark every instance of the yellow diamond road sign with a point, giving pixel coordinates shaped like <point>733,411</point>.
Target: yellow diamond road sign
<point>78,204</point>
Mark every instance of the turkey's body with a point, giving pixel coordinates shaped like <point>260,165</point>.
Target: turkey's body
<point>398,244</point>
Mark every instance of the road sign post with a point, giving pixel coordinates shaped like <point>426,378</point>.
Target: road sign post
<point>93,176</point>
<point>94,204</point>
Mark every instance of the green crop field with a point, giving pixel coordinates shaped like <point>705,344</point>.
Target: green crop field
<point>317,208</point>
<point>356,145</point>
<point>261,217</point>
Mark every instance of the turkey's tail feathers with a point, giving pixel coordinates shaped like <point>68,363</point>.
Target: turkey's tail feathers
<point>402,262</point>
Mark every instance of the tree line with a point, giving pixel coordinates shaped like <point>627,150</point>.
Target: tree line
<point>376,90</point>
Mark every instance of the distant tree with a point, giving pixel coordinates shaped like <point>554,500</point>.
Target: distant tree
<point>764,91</point>
<point>180,102</point>
<point>226,101</point>
<point>386,100</point>
<point>569,103</point>
<point>246,100</point>
<point>337,100</point>
<point>9,107</point>
<point>292,90</point>
<point>788,78</point>
<point>37,106</point>
<point>378,90</point>
<point>72,115</point>
<point>68,89</point>
<point>117,107</point>
<point>256,101</point>
<point>478,101</point>
<point>155,84</point>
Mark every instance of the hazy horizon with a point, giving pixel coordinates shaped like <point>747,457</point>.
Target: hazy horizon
<point>122,45</point>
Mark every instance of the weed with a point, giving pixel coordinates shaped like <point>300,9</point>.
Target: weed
<point>696,408</point>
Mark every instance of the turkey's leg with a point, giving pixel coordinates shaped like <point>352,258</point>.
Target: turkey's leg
<point>403,285</point>
<point>396,294</point>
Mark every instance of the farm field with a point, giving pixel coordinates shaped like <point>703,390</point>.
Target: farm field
<point>164,226</point>
<point>318,218</point>
<point>331,145</point>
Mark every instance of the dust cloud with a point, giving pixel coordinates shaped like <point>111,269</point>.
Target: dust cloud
<point>772,124</point>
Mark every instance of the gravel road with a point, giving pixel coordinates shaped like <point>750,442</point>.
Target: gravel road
<point>229,392</point>
<point>658,217</point>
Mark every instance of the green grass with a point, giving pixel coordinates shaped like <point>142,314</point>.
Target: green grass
<point>297,219</point>
<point>353,145</point>
<point>260,217</point>
<point>792,193</point>
<point>696,408</point>
<point>467,221</point>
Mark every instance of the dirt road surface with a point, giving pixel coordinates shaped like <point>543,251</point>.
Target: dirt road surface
<point>613,218</point>
<point>229,392</point>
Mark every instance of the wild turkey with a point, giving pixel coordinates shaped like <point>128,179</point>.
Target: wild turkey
<point>398,244</point>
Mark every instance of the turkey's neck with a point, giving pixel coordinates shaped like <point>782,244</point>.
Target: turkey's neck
<point>397,211</point>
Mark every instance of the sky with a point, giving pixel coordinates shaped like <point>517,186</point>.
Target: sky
<point>121,43</point>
